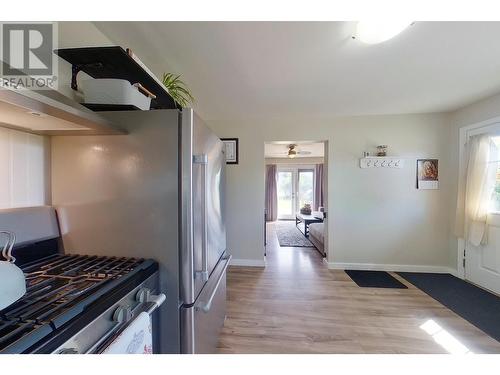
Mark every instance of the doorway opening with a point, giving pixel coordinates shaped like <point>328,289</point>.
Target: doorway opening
<point>296,199</point>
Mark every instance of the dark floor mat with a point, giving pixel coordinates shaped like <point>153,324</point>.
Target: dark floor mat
<point>375,279</point>
<point>474,304</point>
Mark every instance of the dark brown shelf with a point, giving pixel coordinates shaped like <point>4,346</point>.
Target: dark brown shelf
<point>115,62</point>
<point>110,107</point>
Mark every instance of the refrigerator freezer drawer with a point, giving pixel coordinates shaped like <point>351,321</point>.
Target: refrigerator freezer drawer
<point>202,322</point>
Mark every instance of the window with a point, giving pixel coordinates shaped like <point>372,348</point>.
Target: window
<point>22,168</point>
<point>495,164</point>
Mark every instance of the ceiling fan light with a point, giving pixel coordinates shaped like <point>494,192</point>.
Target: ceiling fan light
<point>373,32</point>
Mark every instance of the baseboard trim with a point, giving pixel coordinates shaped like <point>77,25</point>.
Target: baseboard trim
<point>390,267</point>
<point>248,262</point>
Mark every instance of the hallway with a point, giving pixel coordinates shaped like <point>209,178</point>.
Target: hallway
<point>296,305</point>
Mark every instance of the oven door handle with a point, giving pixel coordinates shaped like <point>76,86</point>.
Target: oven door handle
<point>155,301</point>
<point>121,317</point>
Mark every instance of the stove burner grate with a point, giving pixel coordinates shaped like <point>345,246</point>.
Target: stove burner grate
<point>54,285</point>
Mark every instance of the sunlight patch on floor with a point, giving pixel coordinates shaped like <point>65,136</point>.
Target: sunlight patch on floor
<point>444,338</point>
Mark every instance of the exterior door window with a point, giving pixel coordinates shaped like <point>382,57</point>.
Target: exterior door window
<point>295,188</point>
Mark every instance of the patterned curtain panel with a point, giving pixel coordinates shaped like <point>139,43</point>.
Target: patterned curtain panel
<point>271,192</point>
<point>318,187</point>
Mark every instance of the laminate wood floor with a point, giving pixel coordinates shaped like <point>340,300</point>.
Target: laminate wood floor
<point>296,305</point>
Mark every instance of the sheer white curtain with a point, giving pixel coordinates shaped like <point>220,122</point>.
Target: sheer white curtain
<point>472,212</point>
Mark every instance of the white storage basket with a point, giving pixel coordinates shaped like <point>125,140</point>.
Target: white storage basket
<point>114,91</point>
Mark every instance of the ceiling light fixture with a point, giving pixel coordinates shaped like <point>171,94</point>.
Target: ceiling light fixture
<point>373,32</point>
<point>291,151</point>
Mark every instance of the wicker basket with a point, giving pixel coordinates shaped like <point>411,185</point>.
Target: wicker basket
<point>306,210</point>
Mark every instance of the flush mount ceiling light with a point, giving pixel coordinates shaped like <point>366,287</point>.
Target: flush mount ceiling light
<point>373,32</point>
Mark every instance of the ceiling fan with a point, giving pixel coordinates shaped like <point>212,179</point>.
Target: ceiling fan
<point>293,152</point>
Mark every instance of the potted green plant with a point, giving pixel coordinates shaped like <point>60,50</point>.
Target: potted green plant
<point>177,89</point>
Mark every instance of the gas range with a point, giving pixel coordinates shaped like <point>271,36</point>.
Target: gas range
<point>70,294</point>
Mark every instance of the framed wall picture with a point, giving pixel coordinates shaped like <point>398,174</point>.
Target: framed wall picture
<point>232,152</point>
<point>427,174</point>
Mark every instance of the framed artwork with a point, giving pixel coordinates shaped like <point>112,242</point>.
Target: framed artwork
<point>427,174</point>
<point>232,152</point>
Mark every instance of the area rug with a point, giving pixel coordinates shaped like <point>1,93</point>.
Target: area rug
<point>476,305</point>
<point>290,236</point>
<point>375,279</point>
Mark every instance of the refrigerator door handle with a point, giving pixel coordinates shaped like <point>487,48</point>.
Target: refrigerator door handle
<point>207,304</point>
<point>202,160</point>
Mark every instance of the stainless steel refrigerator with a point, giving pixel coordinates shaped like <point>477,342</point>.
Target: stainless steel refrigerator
<point>156,192</point>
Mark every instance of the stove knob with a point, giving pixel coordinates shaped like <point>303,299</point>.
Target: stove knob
<point>143,295</point>
<point>122,314</point>
<point>68,351</point>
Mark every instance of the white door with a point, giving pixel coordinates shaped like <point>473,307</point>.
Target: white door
<point>295,188</point>
<point>482,263</point>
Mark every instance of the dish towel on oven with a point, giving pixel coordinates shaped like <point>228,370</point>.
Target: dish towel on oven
<point>137,338</point>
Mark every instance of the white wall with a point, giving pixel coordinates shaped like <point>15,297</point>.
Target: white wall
<point>376,216</point>
<point>476,112</point>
